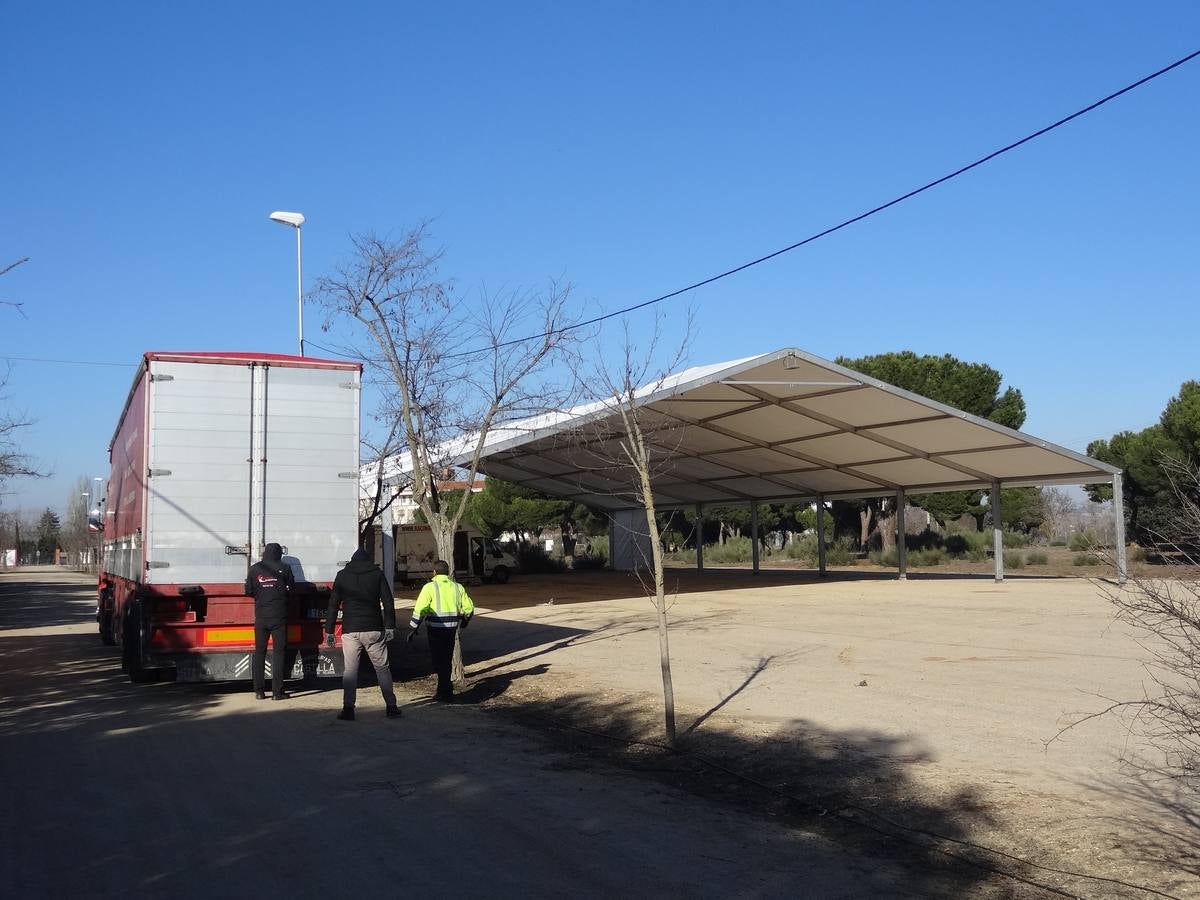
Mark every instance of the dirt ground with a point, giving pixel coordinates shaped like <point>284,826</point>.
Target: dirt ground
<point>846,737</point>
<point>198,790</point>
<point>928,704</point>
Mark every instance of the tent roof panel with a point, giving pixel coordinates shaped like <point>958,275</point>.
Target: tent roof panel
<point>844,447</point>
<point>950,433</point>
<point>772,424</point>
<point>912,471</point>
<point>868,406</point>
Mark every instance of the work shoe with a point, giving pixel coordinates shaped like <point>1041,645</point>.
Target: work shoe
<point>347,714</point>
<point>260,695</point>
<point>393,712</point>
<point>282,695</point>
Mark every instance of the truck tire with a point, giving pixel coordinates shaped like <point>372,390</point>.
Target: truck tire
<point>131,647</point>
<point>104,617</point>
<point>500,574</point>
<point>107,637</point>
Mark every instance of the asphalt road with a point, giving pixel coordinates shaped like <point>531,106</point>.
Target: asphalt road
<point>176,790</point>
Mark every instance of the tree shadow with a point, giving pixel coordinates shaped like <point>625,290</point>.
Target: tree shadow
<point>1167,833</point>
<point>54,599</point>
<point>758,669</point>
<point>854,787</point>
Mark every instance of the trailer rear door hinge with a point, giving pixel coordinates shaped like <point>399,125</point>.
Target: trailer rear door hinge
<point>156,472</point>
<point>354,475</point>
<point>230,550</point>
<point>155,564</point>
<point>349,385</point>
<point>162,377</point>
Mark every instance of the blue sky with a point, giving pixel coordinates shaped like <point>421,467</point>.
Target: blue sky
<point>629,148</point>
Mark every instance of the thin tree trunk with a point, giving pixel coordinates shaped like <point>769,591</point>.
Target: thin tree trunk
<point>660,606</point>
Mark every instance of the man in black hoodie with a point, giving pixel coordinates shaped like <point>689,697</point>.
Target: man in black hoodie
<point>363,593</point>
<point>270,583</point>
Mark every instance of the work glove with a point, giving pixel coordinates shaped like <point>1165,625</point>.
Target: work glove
<point>464,621</point>
<point>329,641</point>
<point>411,634</point>
<point>389,634</point>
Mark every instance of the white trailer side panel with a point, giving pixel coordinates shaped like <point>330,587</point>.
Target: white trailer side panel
<point>198,490</point>
<point>310,493</point>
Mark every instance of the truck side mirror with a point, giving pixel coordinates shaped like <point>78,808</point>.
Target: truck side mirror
<point>95,520</point>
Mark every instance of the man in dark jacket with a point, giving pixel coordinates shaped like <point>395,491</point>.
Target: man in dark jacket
<point>270,583</point>
<point>363,594</point>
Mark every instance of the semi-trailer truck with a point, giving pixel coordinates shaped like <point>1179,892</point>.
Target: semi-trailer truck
<point>215,455</point>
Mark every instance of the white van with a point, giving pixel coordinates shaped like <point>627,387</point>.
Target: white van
<point>475,555</point>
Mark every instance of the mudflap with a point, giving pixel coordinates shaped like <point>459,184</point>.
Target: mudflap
<point>235,665</point>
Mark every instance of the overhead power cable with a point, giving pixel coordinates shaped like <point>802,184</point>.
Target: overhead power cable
<point>68,362</point>
<point>828,231</point>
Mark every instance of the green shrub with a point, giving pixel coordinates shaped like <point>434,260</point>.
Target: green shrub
<point>735,550</point>
<point>1087,559</point>
<point>1058,543</point>
<point>888,558</point>
<point>1036,558</point>
<point>590,561</point>
<point>1083,540</point>
<point>977,554</point>
<point>1137,554</point>
<point>957,545</point>
<point>926,540</point>
<point>803,548</point>
<point>533,559</point>
<point>1014,539</point>
<point>1014,560</point>
<point>931,556</point>
<point>841,553</point>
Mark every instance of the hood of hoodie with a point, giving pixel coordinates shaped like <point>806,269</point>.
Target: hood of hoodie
<point>358,566</point>
<point>272,553</point>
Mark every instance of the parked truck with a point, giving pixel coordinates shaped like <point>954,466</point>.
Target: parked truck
<point>475,556</point>
<point>214,456</point>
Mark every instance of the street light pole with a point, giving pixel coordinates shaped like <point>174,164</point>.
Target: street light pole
<point>295,220</point>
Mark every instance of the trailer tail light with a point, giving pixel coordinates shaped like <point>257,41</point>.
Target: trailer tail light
<point>223,636</point>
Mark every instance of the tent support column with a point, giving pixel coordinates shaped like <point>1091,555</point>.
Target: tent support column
<point>997,531</point>
<point>821,534</point>
<point>901,531</point>
<point>1119,528</point>
<point>699,537</point>
<point>754,534</point>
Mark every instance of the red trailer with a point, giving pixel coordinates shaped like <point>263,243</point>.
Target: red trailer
<point>214,456</point>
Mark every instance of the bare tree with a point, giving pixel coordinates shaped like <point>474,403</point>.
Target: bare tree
<point>1059,510</point>
<point>630,446</point>
<point>14,463</point>
<point>379,492</point>
<point>1165,615</point>
<point>5,271</point>
<point>453,370</point>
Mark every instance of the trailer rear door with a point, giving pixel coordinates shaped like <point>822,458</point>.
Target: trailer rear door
<point>310,486</point>
<point>198,486</point>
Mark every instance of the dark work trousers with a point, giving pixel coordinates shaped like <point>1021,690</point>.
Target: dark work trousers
<point>441,648</point>
<point>278,633</point>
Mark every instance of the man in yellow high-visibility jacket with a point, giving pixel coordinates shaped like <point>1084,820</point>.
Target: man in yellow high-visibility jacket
<point>447,606</point>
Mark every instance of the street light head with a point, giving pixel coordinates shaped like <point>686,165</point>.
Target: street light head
<point>294,219</point>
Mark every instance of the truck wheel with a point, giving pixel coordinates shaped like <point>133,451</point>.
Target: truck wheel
<point>107,637</point>
<point>131,648</point>
<point>500,574</point>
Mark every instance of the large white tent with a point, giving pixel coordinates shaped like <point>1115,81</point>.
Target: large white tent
<point>786,425</point>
